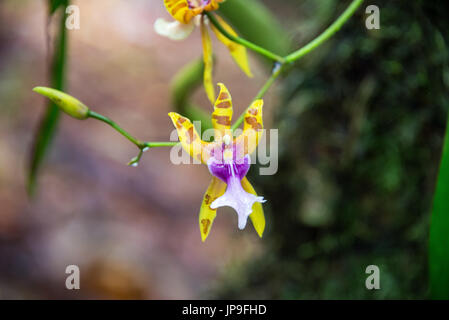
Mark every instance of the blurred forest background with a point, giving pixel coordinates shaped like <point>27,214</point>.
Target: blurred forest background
<point>361,124</point>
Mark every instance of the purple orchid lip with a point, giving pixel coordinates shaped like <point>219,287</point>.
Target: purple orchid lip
<point>232,172</point>
<point>225,169</point>
<point>223,153</point>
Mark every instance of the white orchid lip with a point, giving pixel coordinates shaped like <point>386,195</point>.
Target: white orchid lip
<point>232,172</point>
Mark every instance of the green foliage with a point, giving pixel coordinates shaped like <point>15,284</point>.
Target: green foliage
<point>439,236</point>
<point>439,231</point>
<point>360,135</point>
<point>47,127</point>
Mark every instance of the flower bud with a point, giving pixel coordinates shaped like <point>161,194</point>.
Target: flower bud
<point>70,105</point>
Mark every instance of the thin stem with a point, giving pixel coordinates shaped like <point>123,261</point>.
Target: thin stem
<point>244,42</point>
<point>100,117</point>
<point>280,66</point>
<point>329,32</point>
<point>143,146</point>
<point>161,144</point>
<point>278,69</point>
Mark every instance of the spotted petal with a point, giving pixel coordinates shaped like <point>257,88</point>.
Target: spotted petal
<point>189,137</point>
<point>222,115</point>
<point>252,129</point>
<point>257,217</point>
<point>211,5</point>
<point>181,11</point>
<point>237,51</point>
<point>208,61</point>
<point>207,214</point>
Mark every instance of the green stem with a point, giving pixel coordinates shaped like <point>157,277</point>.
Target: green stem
<point>244,42</point>
<point>161,144</point>
<point>143,146</point>
<point>114,125</point>
<point>140,144</point>
<point>278,69</point>
<point>329,32</point>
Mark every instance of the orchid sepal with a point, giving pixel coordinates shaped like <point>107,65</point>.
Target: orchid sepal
<point>228,161</point>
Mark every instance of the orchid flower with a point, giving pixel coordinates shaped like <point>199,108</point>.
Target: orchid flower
<point>188,14</point>
<point>228,161</point>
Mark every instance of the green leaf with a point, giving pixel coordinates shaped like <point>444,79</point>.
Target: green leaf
<point>439,229</point>
<point>48,124</point>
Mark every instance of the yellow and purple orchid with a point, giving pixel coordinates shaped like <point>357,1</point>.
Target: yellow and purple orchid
<point>228,161</point>
<point>188,14</point>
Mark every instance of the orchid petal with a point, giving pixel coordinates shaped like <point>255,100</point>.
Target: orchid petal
<point>208,62</point>
<point>173,30</point>
<point>235,196</point>
<point>222,115</point>
<point>207,214</point>
<point>189,137</point>
<point>257,217</point>
<point>252,129</point>
<point>237,51</point>
<point>212,5</point>
<point>238,199</point>
<point>180,10</point>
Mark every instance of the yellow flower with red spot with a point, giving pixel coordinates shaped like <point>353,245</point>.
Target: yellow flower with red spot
<point>228,161</point>
<point>187,14</point>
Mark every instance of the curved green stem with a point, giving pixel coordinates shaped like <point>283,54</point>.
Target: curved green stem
<point>280,66</point>
<point>329,32</point>
<point>244,42</point>
<point>140,144</point>
<point>278,69</point>
<point>114,125</point>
